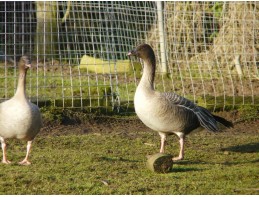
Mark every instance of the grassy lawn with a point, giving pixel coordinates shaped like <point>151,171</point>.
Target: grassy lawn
<point>114,163</point>
<point>94,84</point>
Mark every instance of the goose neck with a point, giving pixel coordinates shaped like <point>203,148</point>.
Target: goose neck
<point>21,87</point>
<point>148,76</point>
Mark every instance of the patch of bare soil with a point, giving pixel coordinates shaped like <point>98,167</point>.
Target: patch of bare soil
<point>100,124</point>
<point>130,126</point>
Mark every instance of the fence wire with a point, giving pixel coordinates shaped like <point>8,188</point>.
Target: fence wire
<point>206,51</point>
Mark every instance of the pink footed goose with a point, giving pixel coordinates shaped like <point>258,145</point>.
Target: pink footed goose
<point>19,118</point>
<point>168,113</point>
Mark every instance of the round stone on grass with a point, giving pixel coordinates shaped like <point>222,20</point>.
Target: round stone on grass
<point>160,163</point>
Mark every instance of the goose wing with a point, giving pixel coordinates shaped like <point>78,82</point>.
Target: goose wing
<point>205,118</point>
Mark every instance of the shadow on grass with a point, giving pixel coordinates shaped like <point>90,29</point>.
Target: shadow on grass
<point>179,166</point>
<point>238,163</point>
<point>115,159</point>
<point>246,148</point>
<point>186,162</point>
<point>189,162</point>
<point>176,169</point>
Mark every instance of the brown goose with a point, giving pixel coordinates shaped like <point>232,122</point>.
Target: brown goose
<point>19,118</point>
<point>168,113</point>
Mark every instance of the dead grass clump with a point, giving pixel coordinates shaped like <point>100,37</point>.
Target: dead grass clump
<point>189,28</point>
<point>238,34</point>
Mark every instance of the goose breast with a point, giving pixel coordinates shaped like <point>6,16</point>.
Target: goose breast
<point>19,119</point>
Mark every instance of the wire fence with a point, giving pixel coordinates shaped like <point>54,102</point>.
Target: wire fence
<point>206,51</point>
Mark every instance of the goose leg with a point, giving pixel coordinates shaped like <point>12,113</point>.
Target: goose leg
<point>3,144</point>
<point>163,139</point>
<point>181,154</point>
<point>25,161</point>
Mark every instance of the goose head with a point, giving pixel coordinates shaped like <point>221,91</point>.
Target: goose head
<point>143,51</point>
<point>146,53</point>
<point>24,63</point>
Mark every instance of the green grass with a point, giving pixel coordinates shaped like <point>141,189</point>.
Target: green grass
<point>91,82</point>
<point>101,163</point>
<point>58,82</point>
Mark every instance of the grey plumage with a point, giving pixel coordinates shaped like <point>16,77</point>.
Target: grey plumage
<point>205,118</point>
<point>169,113</point>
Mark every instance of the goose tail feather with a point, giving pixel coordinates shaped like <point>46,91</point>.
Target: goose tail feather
<point>222,123</point>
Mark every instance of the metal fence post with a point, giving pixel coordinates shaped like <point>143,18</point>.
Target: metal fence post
<point>161,36</point>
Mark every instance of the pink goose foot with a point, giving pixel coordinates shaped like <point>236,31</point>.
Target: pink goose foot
<point>25,162</point>
<point>177,158</point>
<point>6,161</point>
<point>180,157</point>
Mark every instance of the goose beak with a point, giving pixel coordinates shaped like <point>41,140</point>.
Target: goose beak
<point>28,65</point>
<point>132,53</point>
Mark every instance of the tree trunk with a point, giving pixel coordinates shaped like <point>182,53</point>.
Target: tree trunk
<point>46,32</point>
